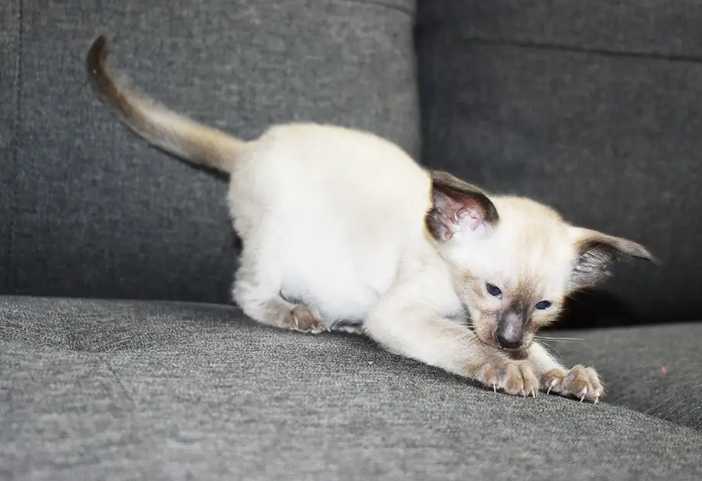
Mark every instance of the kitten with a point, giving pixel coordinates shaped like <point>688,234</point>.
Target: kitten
<point>364,239</point>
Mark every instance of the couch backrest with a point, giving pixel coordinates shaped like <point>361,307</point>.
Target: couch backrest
<point>88,209</point>
<point>592,107</point>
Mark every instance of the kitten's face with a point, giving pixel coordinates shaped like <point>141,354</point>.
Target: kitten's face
<point>513,278</point>
<point>514,260</point>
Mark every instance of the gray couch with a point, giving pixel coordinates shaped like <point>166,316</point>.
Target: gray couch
<point>121,355</point>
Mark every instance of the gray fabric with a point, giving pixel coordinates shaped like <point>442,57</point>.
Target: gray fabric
<point>134,390</point>
<point>647,27</point>
<point>611,139</point>
<point>654,369</point>
<point>95,212</point>
<point>9,104</point>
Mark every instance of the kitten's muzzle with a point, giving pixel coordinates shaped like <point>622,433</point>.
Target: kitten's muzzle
<point>510,331</point>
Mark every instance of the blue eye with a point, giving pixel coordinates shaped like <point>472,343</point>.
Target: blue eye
<point>493,290</point>
<point>543,305</point>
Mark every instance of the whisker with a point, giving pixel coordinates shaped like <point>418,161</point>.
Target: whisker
<point>560,358</point>
<point>460,342</point>
<point>558,338</point>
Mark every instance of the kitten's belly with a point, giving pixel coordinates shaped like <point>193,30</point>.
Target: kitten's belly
<point>343,287</point>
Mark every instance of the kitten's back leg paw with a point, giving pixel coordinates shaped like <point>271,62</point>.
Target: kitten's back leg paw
<point>305,319</point>
<point>257,291</point>
<point>280,313</point>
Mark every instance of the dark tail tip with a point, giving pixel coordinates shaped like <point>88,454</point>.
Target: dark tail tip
<point>95,63</point>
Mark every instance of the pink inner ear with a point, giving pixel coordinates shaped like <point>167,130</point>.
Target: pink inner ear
<point>474,217</point>
<point>456,215</point>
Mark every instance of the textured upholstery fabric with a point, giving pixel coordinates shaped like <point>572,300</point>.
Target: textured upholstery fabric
<point>143,390</point>
<point>653,369</point>
<point>87,209</point>
<point>9,69</point>
<point>589,107</point>
<point>646,27</point>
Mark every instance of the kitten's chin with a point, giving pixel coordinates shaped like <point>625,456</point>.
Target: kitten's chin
<point>517,354</point>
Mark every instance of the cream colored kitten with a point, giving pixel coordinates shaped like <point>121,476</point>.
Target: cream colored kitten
<point>361,237</point>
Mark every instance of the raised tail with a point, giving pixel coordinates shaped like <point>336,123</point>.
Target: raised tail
<point>161,127</point>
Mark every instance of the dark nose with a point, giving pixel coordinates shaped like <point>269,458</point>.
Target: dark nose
<point>508,343</point>
<point>510,331</point>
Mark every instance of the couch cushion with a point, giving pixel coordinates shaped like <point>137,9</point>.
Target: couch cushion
<point>87,209</point>
<point>652,369</point>
<point>137,390</point>
<point>645,27</point>
<point>591,108</point>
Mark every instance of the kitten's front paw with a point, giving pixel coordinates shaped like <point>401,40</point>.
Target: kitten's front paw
<point>512,377</point>
<point>580,382</point>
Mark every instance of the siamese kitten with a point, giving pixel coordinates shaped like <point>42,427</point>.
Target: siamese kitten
<point>364,239</point>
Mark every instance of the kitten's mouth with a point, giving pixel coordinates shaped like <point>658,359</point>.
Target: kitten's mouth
<point>513,352</point>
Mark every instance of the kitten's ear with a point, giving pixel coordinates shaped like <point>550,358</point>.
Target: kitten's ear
<point>596,251</point>
<point>457,206</point>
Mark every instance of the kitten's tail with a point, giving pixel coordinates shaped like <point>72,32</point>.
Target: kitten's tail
<point>161,127</point>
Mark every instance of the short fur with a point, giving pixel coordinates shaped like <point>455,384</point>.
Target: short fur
<point>363,238</point>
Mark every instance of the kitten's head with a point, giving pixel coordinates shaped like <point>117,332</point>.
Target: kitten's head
<point>514,260</point>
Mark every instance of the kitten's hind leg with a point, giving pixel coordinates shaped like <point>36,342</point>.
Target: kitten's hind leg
<point>257,292</point>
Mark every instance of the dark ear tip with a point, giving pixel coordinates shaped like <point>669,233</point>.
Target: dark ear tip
<point>646,255</point>
<point>491,215</point>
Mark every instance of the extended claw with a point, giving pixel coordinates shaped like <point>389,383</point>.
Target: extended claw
<point>582,393</point>
<point>533,393</point>
<point>494,387</point>
<point>551,386</point>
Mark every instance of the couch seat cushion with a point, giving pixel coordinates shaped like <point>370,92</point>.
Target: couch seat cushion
<point>148,390</point>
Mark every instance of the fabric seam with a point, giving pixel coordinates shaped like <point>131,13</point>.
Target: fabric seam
<point>382,5</point>
<point>588,50</point>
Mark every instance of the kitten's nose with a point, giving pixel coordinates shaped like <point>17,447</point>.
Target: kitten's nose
<point>508,343</point>
<point>510,331</point>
